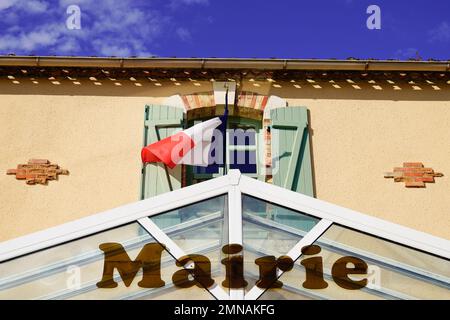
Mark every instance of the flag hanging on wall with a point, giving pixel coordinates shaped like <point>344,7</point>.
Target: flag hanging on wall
<point>190,146</point>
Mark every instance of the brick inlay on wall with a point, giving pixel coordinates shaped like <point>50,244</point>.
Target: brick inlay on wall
<point>198,100</point>
<point>245,99</point>
<point>268,149</point>
<point>252,100</point>
<point>37,171</point>
<point>414,174</point>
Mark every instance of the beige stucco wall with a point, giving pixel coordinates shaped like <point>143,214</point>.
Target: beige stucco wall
<point>95,131</point>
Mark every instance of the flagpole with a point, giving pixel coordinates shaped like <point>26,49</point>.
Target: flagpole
<point>225,132</point>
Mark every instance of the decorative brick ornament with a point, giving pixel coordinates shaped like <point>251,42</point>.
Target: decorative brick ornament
<point>413,174</point>
<point>37,171</point>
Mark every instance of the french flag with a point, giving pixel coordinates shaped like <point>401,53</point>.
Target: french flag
<point>190,146</point>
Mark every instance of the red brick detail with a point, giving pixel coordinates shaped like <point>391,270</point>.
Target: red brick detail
<point>252,100</point>
<point>410,169</point>
<point>413,164</point>
<point>424,179</point>
<point>414,184</point>
<point>413,174</point>
<point>38,161</point>
<point>37,171</point>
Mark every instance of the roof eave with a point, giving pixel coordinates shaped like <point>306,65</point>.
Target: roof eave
<point>225,63</point>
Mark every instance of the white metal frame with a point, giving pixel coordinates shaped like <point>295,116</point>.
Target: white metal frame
<point>176,252</point>
<point>346,217</point>
<point>234,184</point>
<point>295,252</point>
<point>113,218</point>
<point>235,235</point>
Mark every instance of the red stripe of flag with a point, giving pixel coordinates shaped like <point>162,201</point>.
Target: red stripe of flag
<point>162,151</point>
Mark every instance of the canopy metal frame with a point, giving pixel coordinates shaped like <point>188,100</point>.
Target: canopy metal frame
<point>234,185</point>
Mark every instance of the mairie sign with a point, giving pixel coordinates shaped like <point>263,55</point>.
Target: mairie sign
<point>199,271</point>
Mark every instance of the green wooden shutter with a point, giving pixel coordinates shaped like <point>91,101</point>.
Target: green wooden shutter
<point>293,168</point>
<point>160,122</point>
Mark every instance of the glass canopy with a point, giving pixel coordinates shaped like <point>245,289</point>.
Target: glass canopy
<point>230,237</point>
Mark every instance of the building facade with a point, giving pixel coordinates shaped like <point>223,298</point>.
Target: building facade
<point>363,120</point>
<point>371,136</point>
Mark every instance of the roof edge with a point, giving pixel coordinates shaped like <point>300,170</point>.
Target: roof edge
<point>225,63</point>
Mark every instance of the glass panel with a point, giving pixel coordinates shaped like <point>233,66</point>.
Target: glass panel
<point>278,216</point>
<point>394,271</point>
<point>245,161</point>
<point>207,209</point>
<point>215,162</point>
<point>199,228</point>
<point>242,135</point>
<point>265,237</point>
<point>260,241</point>
<point>211,169</point>
<point>71,271</point>
<point>286,293</point>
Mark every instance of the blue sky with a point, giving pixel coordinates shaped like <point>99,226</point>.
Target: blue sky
<point>213,28</point>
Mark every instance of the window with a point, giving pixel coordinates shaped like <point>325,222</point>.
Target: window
<point>244,148</point>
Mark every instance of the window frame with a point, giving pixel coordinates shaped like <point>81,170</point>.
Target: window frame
<point>192,177</point>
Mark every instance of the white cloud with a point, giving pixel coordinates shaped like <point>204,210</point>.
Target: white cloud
<point>29,6</point>
<point>44,36</point>
<point>115,28</point>
<point>108,27</point>
<point>66,3</point>
<point>106,49</point>
<point>441,33</point>
<point>184,34</point>
<point>174,4</point>
<point>67,46</point>
<point>34,6</point>
<point>5,4</point>
<point>406,53</point>
<point>189,2</point>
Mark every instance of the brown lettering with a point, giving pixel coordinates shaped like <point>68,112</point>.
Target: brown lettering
<point>314,269</point>
<point>234,267</point>
<point>149,259</point>
<point>201,272</point>
<point>340,273</point>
